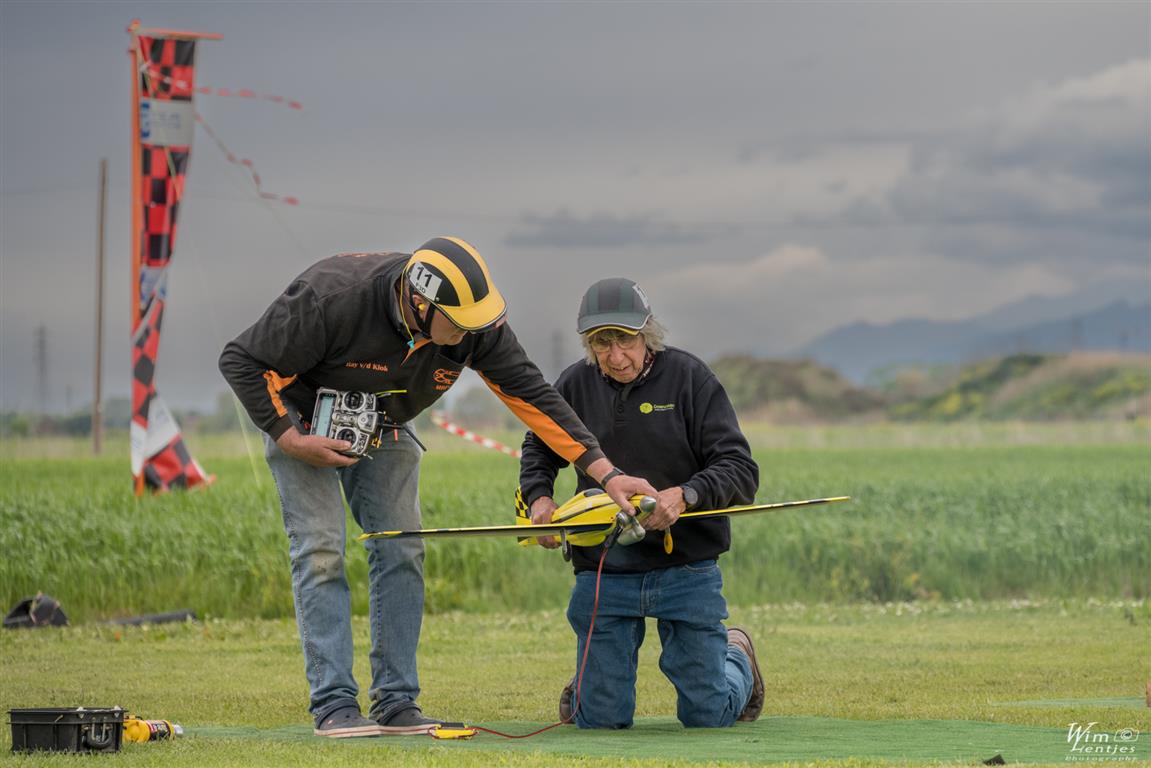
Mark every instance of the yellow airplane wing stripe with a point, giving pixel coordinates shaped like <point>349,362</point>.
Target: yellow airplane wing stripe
<point>491,530</point>
<point>760,507</point>
<point>594,517</point>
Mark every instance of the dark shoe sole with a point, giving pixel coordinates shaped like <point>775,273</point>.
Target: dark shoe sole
<point>407,730</point>
<point>354,732</point>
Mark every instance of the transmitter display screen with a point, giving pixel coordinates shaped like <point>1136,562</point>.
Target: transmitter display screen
<point>322,419</point>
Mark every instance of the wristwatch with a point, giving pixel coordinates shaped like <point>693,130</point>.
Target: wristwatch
<point>690,497</point>
<point>614,473</point>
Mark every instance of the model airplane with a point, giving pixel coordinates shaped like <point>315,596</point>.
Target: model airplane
<point>587,519</point>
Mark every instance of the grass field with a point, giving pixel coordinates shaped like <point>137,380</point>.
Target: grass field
<point>978,567</point>
<point>998,516</point>
<point>238,687</point>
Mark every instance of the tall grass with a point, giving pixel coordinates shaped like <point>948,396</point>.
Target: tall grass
<point>941,522</point>
<point>950,523</point>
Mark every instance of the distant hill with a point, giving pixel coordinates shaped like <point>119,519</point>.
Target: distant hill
<point>860,349</point>
<point>1082,385</point>
<point>792,390</point>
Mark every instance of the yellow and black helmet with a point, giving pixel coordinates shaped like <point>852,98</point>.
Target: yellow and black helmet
<point>451,274</point>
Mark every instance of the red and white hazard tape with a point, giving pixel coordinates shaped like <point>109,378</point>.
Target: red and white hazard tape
<point>245,93</point>
<point>441,422</point>
<point>245,163</point>
<point>153,71</point>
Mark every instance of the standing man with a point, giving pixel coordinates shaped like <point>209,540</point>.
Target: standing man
<point>662,413</point>
<point>405,325</point>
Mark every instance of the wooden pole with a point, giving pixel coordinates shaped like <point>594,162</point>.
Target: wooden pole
<point>97,395</point>
<point>136,218</point>
<point>134,183</point>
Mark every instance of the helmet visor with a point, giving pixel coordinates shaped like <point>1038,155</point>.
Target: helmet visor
<point>478,316</point>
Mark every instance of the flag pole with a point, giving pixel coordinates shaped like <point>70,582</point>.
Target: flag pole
<point>97,395</point>
<point>134,186</point>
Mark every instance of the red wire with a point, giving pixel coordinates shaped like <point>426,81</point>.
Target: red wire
<point>582,667</point>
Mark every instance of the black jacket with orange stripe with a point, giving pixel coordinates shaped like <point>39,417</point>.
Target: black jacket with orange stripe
<point>338,325</point>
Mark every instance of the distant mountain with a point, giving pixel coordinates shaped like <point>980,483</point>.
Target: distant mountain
<point>1120,327</point>
<point>1034,310</point>
<point>860,349</point>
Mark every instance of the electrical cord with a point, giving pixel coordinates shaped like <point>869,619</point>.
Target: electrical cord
<point>583,662</point>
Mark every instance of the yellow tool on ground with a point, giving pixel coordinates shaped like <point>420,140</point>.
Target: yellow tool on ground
<point>139,730</point>
<point>453,731</point>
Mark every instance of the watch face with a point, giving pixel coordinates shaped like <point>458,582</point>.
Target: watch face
<point>690,497</point>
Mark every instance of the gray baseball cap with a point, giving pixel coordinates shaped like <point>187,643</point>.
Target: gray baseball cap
<point>614,303</point>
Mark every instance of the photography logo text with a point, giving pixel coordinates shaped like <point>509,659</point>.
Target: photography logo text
<point>1085,743</point>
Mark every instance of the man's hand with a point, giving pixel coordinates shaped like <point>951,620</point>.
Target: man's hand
<point>317,450</point>
<point>669,506</point>
<point>622,487</point>
<point>542,510</point>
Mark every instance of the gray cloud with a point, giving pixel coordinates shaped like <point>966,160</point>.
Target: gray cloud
<point>787,294</point>
<point>825,158</point>
<point>603,230</point>
<point>1068,163</point>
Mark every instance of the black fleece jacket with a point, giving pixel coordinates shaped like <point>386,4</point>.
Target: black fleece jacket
<point>673,426</point>
<point>339,325</point>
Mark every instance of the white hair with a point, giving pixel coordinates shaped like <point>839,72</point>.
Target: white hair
<point>654,335</point>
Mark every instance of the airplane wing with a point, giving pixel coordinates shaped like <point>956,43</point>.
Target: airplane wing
<point>550,529</point>
<point>596,518</point>
<point>730,511</point>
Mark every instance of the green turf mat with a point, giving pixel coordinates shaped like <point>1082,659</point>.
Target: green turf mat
<point>1123,702</point>
<point>769,740</point>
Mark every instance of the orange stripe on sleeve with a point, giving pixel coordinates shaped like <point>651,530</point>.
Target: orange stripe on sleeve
<point>276,383</point>
<point>539,422</point>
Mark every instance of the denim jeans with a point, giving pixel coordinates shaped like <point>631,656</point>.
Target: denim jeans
<point>382,494</point>
<point>712,679</point>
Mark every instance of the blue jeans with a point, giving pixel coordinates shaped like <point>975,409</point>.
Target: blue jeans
<point>712,679</point>
<point>382,494</point>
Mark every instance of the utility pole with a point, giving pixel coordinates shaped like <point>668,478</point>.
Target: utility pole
<point>558,360</point>
<point>97,399</point>
<point>42,367</point>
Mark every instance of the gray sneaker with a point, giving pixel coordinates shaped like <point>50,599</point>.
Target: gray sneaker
<point>346,723</point>
<point>409,721</point>
<point>741,640</point>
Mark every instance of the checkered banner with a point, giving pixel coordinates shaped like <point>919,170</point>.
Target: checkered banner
<point>159,458</point>
<point>163,122</point>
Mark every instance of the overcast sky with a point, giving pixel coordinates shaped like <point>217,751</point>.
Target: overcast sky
<point>767,171</point>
